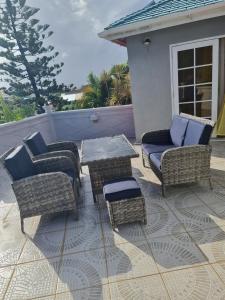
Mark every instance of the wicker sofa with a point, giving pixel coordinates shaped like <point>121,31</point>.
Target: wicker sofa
<point>40,150</point>
<point>43,186</point>
<point>180,154</point>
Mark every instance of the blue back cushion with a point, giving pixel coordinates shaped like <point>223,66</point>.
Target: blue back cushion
<point>197,133</point>
<point>19,163</point>
<point>36,144</point>
<point>178,130</point>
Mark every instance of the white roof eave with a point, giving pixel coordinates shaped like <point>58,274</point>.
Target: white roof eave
<point>198,14</point>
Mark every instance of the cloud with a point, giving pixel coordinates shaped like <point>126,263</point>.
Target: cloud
<point>76,24</point>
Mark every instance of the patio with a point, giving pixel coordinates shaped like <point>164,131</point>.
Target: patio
<point>180,254</point>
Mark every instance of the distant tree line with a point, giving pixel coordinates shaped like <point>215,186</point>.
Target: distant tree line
<point>110,88</point>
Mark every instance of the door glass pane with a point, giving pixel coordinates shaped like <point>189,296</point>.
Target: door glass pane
<point>204,56</point>
<point>204,74</point>
<point>186,94</point>
<point>187,108</point>
<point>186,77</point>
<point>186,58</point>
<point>204,109</point>
<point>204,92</point>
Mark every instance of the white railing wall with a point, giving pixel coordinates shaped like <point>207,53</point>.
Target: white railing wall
<point>94,123</point>
<point>12,134</point>
<point>71,125</point>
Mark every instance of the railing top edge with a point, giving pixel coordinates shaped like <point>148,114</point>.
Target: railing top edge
<point>9,124</point>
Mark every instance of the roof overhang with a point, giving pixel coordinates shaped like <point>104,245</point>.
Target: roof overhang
<point>119,34</point>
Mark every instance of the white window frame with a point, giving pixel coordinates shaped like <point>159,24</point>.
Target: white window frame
<point>174,49</point>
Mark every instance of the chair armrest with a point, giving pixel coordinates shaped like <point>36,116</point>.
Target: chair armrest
<point>63,146</point>
<point>40,189</point>
<point>185,158</point>
<point>54,164</point>
<point>160,137</point>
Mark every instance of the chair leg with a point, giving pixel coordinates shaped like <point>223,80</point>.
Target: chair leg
<point>163,191</point>
<point>22,224</point>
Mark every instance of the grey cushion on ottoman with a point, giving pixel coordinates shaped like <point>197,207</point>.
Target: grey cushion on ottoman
<point>125,188</point>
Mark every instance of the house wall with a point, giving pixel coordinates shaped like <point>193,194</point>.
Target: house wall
<point>150,70</point>
<point>78,124</point>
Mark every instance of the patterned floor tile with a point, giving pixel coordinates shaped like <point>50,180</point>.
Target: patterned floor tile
<point>88,215</point>
<point>156,208</point>
<point>42,246</point>
<point>10,250</point>
<point>33,280</point>
<point>183,199</point>
<point>82,270</point>
<point>83,238</point>
<point>4,210</point>
<point>220,269</point>
<point>144,288</point>
<point>212,197</point>
<point>200,283</point>
<point>198,215</point>
<point>124,234</point>
<point>176,252</point>
<point>127,261</point>
<point>211,242</point>
<point>5,275</point>
<point>162,225</point>
<point>50,223</point>
<point>94,293</point>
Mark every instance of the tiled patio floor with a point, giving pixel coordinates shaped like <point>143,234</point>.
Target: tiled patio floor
<point>180,254</point>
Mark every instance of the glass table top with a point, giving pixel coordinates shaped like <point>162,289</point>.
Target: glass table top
<point>106,148</point>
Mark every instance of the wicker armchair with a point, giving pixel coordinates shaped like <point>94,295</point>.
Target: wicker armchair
<point>40,150</point>
<point>43,186</point>
<point>174,164</point>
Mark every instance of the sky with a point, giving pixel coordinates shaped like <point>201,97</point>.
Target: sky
<point>76,24</point>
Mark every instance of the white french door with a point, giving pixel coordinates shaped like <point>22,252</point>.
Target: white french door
<point>195,78</point>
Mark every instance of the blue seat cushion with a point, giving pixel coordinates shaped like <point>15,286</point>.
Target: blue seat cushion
<point>156,159</point>
<point>36,144</point>
<point>178,130</point>
<point>150,148</point>
<point>124,188</point>
<point>19,164</point>
<point>197,133</point>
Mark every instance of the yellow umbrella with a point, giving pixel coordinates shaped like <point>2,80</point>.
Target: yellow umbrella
<point>221,121</point>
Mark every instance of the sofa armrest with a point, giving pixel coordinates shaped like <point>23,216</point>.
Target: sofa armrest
<point>186,160</point>
<point>60,146</point>
<point>34,192</point>
<point>160,137</point>
<point>54,164</point>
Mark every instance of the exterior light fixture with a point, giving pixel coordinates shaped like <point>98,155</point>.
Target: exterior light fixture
<point>147,42</point>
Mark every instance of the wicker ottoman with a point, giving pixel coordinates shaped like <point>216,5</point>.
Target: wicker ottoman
<point>125,201</point>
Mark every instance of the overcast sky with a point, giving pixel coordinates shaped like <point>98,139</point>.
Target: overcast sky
<point>76,24</point>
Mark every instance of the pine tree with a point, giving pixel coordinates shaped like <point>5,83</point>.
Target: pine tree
<point>29,66</point>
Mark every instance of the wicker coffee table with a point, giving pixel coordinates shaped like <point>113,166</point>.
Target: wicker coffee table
<point>107,158</point>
